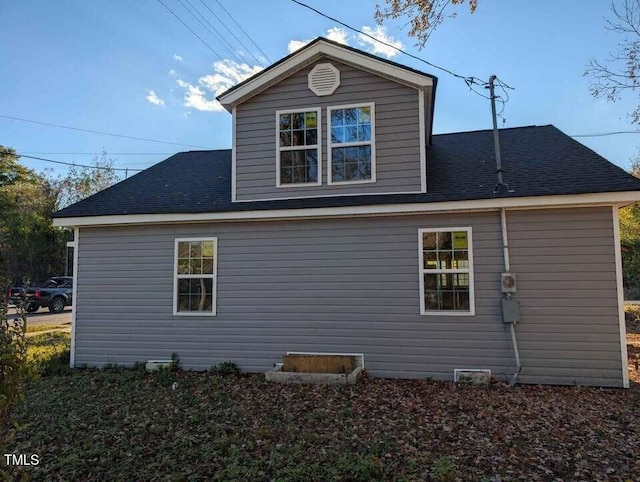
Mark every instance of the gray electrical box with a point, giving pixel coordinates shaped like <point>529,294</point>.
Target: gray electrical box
<point>510,310</point>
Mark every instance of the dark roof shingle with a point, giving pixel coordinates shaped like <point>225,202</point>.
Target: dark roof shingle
<point>537,161</point>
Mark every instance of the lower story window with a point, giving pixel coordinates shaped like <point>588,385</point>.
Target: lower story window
<point>195,271</point>
<point>446,271</point>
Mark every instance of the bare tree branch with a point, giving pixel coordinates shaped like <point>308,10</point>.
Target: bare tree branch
<point>620,72</point>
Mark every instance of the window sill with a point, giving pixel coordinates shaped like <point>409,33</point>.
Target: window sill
<point>306,184</point>
<point>448,313</point>
<point>343,183</point>
<point>199,313</point>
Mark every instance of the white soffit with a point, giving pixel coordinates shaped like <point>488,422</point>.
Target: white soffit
<point>324,79</point>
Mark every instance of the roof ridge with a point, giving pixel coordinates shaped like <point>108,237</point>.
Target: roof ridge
<point>532,126</point>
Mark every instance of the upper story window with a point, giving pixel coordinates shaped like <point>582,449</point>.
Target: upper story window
<point>298,151</point>
<point>351,143</point>
<point>446,271</point>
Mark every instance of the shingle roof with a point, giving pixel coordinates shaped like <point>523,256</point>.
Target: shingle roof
<point>537,161</point>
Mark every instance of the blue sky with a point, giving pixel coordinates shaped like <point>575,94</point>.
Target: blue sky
<point>132,68</point>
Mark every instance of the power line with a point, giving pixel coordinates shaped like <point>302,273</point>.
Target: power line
<point>192,31</point>
<point>98,132</point>
<point>468,79</point>
<point>233,34</point>
<point>243,31</point>
<point>214,33</point>
<point>79,165</point>
<point>603,134</point>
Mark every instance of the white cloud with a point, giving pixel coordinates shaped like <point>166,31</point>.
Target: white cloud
<point>225,75</point>
<point>340,35</point>
<point>172,72</point>
<point>177,57</point>
<point>376,47</point>
<point>153,98</point>
<point>294,45</point>
<point>335,33</point>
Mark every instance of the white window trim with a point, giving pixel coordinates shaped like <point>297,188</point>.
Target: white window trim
<point>318,146</point>
<point>214,277</point>
<point>371,143</point>
<point>422,271</point>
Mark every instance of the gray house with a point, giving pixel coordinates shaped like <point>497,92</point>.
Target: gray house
<point>338,223</point>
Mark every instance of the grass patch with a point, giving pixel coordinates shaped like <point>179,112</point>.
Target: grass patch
<point>48,353</point>
<point>49,327</point>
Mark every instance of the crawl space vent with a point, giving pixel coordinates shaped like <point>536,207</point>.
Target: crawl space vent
<point>324,79</point>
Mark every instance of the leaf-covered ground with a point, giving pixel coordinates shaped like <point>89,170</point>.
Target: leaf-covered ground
<point>131,425</point>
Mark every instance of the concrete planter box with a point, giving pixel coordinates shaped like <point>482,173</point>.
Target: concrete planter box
<point>277,375</point>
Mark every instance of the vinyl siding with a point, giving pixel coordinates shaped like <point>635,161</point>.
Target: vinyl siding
<point>351,286</point>
<point>397,140</point>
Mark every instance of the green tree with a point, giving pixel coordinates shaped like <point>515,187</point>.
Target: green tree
<point>630,239</point>
<point>30,247</point>
<point>424,16</point>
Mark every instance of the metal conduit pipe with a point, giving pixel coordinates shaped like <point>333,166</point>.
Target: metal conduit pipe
<point>507,268</point>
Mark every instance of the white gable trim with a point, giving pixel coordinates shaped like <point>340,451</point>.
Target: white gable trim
<point>532,202</point>
<point>307,55</point>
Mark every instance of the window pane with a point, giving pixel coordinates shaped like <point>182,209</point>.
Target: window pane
<point>364,132</point>
<point>207,249</point>
<point>429,241</point>
<point>183,249</point>
<point>431,301</point>
<point>430,282</point>
<point>285,139</point>
<point>311,120</point>
<point>460,240</point>
<point>298,120</point>
<point>298,138</point>
<point>350,117</point>
<point>312,137</point>
<point>183,266</point>
<point>207,266</point>
<point>195,250</point>
<point>430,259</point>
<point>337,117</point>
<point>444,240</point>
<point>461,299</point>
<point>195,266</point>
<point>285,122</point>
<point>364,116</point>
<point>444,259</point>
<point>351,134</point>
<point>286,175</point>
<point>337,135</point>
<point>446,300</point>
<point>461,281</point>
<point>461,259</point>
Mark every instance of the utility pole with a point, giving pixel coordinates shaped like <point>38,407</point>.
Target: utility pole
<point>501,187</point>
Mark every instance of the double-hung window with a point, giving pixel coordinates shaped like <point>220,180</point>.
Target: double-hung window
<point>298,153</point>
<point>195,270</point>
<point>351,144</point>
<point>446,271</point>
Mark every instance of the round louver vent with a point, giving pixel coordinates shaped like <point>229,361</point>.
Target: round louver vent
<point>324,79</point>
